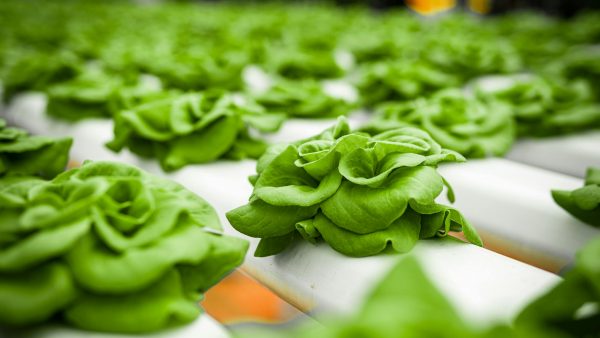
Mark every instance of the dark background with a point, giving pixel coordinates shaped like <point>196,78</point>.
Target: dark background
<point>562,8</point>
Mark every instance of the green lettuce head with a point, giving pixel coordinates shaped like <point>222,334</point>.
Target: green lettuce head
<point>550,106</point>
<point>193,128</point>
<point>21,154</point>
<point>100,93</point>
<point>108,247</point>
<point>199,69</point>
<point>583,203</point>
<point>300,63</point>
<point>36,70</point>
<point>578,62</point>
<point>473,127</point>
<point>302,98</point>
<point>467,56</point>
<point>85,96</point>
<point>358,193</point>
<point>400,81</point>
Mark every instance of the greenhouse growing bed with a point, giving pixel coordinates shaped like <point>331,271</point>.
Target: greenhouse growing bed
<point>496,288</point>
<point>484,188</point>
<point>182,169</point>
<point>304,275</point>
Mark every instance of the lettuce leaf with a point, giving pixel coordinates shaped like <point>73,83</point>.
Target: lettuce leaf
<point>583,203</point>
<point>33,296</point>
<point>159,306</point>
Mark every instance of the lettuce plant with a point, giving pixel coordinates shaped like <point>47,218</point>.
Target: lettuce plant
<point>573,306</point>
<point>584,29</point>
<point>108,247</point>
<point>468,56</point>
<point>85,96</point>
<point>360,194</point>
<point>473,127</point>
<point>22,154</point>
<point>536,37</point>
<point>193,128</point>
<point>583,203</point>
<point>550,106</point>
<point>373,42</point>
<point>199,71</point>
<point>577,63</point>
<point>392,35</point>
<point>36,70</point>
<point>299,63</point>
<point>99,93</point>
<point>400,81</point>
<point>302,98</point>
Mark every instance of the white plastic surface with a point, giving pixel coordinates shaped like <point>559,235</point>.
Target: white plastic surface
<point>483,285</point>
<point>571,154</point>
<point>511,205</point>
<point>204,326</point>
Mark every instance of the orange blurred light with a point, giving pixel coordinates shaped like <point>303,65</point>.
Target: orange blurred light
<point>239,298</point>
<point>480,6</point>
<point>430,7</point>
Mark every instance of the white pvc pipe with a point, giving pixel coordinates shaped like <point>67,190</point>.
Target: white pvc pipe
<point>511,205</point>
<point>571,154</point>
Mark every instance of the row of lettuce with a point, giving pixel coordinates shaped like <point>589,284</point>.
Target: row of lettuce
<point>477,122</point>
<point>108,247</point>
<point>174,77</point>
<point>195,47</point>
<point>169,124</point>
